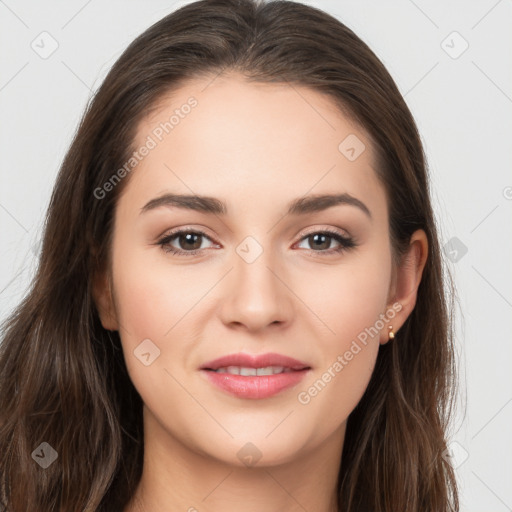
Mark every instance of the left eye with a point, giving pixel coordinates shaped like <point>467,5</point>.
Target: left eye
<point>318,239</point>
<point>190,242</point>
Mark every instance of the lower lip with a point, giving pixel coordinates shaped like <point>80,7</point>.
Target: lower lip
<point>255,387</point>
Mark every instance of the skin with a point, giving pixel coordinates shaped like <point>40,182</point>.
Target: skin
<point>256,147</point>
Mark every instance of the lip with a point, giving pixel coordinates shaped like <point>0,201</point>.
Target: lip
<point>255,387</point>
<point>255,361</point>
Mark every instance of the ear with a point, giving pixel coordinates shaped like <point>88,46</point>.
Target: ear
<point>102,294</point>
<point>406,280</point>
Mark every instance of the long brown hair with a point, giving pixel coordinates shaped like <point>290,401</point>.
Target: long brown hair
<point>63,380</point>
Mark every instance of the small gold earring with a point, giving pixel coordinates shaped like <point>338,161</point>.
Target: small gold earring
<point>391,334</point>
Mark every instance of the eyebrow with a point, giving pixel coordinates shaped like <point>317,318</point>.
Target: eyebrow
<point>212,205</point>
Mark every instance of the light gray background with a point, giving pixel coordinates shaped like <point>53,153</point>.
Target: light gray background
<point>462,104</point>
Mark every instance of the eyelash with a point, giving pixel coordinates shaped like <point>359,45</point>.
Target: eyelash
<point>346,243</point>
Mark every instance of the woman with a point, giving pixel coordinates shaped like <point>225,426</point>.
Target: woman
<point>189,342</point>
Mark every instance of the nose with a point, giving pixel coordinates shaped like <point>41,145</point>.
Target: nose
<point>256,295</point>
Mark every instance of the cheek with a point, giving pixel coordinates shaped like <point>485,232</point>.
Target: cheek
<point>347,299</point>
<point>350,304</point>
<point>152,295</point>
<point>161,302</point>
<point>152,311</point>
<point>334,390</point>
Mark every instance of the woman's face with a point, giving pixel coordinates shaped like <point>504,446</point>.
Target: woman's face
<point>262,277</point>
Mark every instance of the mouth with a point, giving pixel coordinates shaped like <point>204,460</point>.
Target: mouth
<point>249,362</point>
<point>250,372</point>
<point>254,376</point>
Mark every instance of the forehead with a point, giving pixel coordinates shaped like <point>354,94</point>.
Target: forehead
<point>230,138</point>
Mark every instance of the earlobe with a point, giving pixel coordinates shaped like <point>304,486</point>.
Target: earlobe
<point>102,294</point>
<point>406,282</point>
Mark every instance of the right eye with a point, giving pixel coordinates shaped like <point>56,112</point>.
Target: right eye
<point>187,238</point>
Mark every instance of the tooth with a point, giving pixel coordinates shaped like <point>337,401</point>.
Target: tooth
<point>270,370</point>
<point>246,372</point>
<point>249,372</point>
<point>265,371</point>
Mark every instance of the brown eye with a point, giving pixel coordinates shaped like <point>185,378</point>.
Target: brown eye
<point>321,242</point>
<point>188,242</point>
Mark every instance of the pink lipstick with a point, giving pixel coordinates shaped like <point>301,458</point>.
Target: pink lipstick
<point>255,376</point>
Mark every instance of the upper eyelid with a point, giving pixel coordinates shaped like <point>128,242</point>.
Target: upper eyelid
<point>338,231</point>
<point>179,231</point>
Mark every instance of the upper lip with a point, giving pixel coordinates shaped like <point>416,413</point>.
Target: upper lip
<point>255,361</point>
